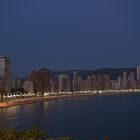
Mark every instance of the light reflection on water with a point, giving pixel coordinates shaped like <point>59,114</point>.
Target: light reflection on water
<point>84,117</point>
<point>26,114</point>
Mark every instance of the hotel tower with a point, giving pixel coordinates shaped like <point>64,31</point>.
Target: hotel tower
<point>5,74</point>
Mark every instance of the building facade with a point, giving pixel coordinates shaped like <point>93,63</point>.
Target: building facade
<point>5,74</point>
<point>41,81</point>
<point>64,83</point>
<point>138,73</point>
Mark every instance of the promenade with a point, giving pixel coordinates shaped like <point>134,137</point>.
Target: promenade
<point>31,100</point>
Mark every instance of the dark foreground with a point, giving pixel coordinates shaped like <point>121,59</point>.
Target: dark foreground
<point>30,134</point>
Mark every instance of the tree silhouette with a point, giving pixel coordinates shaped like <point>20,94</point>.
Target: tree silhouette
<point>2,93</point>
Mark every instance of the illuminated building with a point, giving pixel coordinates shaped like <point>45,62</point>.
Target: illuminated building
<point>107,82</point>
<point>138,73</point>
<point>41,81</point>
<point>5,74</point>
<point>80,83</point>
<point>28,86</point>
<point>120,83</point>
<point>125,80</point>
<point>75,81</point>
<point>64,83</point>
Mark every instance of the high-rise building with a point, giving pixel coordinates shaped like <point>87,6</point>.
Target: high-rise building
<point>80,83</point>
<point>28,86</point>
<point>101,82</point>
<point>89,83</point>
<point>114,84</point>
<point>54,85</point>
<point>131,76</point>
<point>75,75</point>
<point>138,73</point>
<point>64,83</point>
<point>125,80</point>
<point>5,74</point>
<point>120,83</point>
<point>34,77</point>
<point>75,81</point>
<point>41,81</point>
<point>85,88</point>
<point>94,82</point>
<point>107,82</point>
<point>17,83</point>
<point>131,81</point>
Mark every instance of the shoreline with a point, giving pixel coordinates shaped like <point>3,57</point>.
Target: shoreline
<point>39,99</point>
<point>56,97</point>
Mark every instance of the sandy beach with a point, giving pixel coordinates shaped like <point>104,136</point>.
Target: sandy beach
<point>53,97</point>
<point>38,99</point>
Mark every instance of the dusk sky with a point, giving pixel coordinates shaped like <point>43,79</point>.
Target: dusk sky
<point>70,34</point>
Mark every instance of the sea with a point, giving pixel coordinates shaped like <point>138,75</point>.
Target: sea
<point>85,118</point>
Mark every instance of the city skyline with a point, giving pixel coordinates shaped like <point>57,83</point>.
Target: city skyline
<point>45,80</point>
<point>70,34</point>
<point>69,68</point>
<point>14,75</point>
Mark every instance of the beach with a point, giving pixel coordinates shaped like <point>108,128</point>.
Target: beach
<point>38,99</point>
<point>55,97</point>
